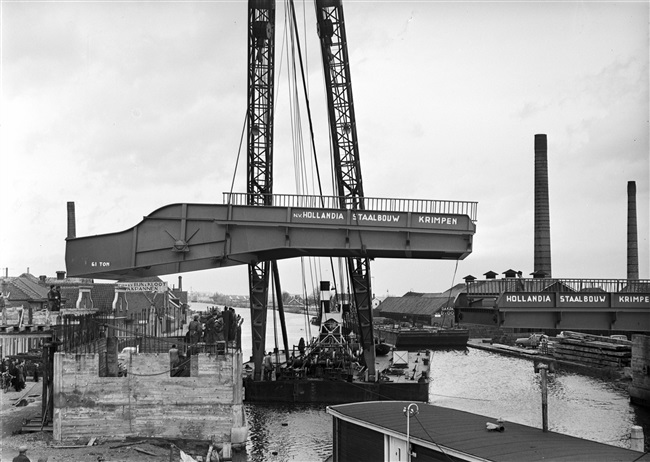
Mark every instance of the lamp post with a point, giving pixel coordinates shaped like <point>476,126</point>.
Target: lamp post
<point>409,411</point>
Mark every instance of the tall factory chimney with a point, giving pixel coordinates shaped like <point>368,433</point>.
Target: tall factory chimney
<point>632,242</point>
<point>72,221</point>
<point>542,255</point>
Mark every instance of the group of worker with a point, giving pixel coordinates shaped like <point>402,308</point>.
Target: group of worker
<point>215,326</point>
<point>14,374</point>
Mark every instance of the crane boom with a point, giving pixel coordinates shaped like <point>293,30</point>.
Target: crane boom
<point>336,68</point>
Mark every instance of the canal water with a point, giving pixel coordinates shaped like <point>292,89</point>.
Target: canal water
<point>470,380</point>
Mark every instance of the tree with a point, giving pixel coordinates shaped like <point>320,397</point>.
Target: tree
<point>220,299</point>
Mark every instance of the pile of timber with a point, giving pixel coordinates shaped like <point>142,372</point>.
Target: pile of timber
<point>593,350</point>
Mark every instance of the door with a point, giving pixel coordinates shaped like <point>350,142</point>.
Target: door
<point>397,451</point>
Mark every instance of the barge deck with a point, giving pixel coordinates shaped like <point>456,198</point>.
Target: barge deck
<point>403,375</point>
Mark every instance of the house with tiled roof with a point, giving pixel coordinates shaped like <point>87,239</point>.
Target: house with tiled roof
<point>25,290</point>
<point>84,296</point>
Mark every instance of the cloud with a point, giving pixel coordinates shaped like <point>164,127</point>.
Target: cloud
<point>124,107</point>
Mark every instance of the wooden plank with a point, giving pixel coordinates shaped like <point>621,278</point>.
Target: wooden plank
<point>72,446</point>
<point>37,429</point>
<point>144,451</point>
<point>591,361</point>
<point>613,354</point>
<point>595,344</point>
<point>587,354</point>
<point>128,444</point>
<point>594,355</point>
<point>601,338</point>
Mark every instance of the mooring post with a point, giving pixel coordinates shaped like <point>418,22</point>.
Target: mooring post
<point>543,369</point>
<point>637,439</point>
<point>543,372</point>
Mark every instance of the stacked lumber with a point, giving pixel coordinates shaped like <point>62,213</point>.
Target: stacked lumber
<point>593,350</point>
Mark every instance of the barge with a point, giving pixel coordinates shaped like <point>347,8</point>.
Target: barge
<point>415,338</point>
<point>402,375</point>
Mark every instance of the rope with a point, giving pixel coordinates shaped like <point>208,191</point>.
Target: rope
<point>241,142</point>
<point>168,371</point>
<point>431,438</point>
<point>461,397</point>
<point>453,278</point>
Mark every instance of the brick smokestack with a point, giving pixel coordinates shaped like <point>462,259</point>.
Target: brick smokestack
<point>542,255</point>
<point>72,221</point>
<point>632,242</point>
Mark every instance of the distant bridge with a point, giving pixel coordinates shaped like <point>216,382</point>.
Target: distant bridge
<point>563,304</point>
<point>179,238</point>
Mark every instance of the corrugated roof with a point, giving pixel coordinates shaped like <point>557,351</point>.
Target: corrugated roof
<point>413,294</point>
<point>498,286</point>
<point>465,432</point>
<point>455,291</point>
<point>424,306</point>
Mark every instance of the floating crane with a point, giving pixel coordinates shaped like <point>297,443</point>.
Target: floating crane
<point>259,227</point>
<point>347,166</point>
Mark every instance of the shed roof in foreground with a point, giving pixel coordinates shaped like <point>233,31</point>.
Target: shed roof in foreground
<point>464,433</point>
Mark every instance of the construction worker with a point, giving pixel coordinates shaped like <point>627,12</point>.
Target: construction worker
<point>21,457</point>
<point>52,299</point>
<point>227,323</point>
<point>57,290</point>
<point>195,329</point>
<point>268,367</point>
<point>174,357</point>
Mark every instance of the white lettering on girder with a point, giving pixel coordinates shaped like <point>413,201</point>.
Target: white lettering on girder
<point>583,298</point>
<point>528,298</point>
<point>358,216</point>
<point>316,215</point>
<point>634,298</point>
<point>438,220</point>
<point>100,263</point>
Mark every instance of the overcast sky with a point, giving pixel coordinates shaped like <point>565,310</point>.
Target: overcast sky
<point>124,107</point>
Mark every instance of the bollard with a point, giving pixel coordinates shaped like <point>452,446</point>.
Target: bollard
<point>226,453</point>
<point>543,372</point>
<point>636,438</point>
<point>543,369</point>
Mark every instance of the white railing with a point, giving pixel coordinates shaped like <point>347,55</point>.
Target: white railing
<point>369,203</point>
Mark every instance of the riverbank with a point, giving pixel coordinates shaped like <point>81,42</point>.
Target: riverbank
<point>620,377</point>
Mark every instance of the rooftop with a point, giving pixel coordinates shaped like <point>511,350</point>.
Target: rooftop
<point>464,434</point>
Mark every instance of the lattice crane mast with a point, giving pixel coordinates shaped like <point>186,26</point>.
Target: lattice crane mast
<point>261,57</point>
<point>345,146</point>
<point>261,41</point>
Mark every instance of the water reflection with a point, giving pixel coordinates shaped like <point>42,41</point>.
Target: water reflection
<point>288,432</point>
<point>501,386</point>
